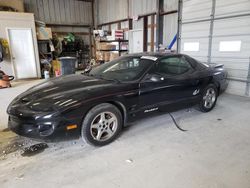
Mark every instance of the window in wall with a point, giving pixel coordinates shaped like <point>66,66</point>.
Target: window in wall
<point>230,46</point>
<point>191,46</point>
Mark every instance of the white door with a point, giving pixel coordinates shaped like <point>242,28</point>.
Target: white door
<point>22,51</point>
<point>136,38</point>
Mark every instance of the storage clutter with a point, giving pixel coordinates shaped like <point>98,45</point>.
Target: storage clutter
<point>63,54</point>
<point>113,55</point>
<point>109,45</point>
<point>43,33</point>
<point>105,46</point>
<point>64,66</point>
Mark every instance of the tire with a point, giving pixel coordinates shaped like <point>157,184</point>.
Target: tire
<point>209,98</point>
<point>101,125</point>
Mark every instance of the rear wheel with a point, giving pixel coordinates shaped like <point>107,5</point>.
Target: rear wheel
<point>209,98</point>
<point>102,124</point>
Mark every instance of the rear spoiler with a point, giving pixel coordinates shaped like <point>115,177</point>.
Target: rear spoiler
<point>218,66</point>
<point>214,65</point>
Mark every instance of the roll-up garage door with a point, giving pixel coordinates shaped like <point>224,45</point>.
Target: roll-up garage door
<point>218,31</point>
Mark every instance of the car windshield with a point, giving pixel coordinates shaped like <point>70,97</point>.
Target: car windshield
<point>122,69</point>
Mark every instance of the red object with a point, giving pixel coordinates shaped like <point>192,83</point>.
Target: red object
<point>5,80</point>
<point>57,73</point>
<point>119,34</point>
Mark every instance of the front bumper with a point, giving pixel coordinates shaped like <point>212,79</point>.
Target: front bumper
<point>54,128</point>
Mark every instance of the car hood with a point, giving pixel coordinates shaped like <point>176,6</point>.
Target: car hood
<point>62,91</point>
<point>66,86</point>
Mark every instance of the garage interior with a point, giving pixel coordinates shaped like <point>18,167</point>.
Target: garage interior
<point>44,39</point>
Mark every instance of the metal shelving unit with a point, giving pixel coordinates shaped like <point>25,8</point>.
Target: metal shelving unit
<point>119,50</point>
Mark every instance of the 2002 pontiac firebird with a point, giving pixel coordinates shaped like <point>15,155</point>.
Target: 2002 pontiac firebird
<point>98,104</point>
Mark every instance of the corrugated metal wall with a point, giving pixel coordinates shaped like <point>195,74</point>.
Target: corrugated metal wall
<point>111,10</point>
<point>60,11</point>
<point>170,29</point>
<point>210,23</point>
<point>138,7</point>
<point>170,22</point>
<point>149,6</point>
<point>170,5</point>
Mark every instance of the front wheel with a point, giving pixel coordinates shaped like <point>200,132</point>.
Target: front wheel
<point>209,98</point>
<point>102,125</point>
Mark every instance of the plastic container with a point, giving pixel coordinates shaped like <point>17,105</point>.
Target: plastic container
<point>67,65</point>
<point>46,74</point>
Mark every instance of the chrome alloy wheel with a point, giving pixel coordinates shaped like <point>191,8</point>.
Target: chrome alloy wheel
<point>104,126</point>
<point>209,98</point>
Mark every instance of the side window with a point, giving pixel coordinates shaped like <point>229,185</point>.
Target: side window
<point>172,66</point>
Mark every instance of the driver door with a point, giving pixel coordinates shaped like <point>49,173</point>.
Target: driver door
<point>169,82</point>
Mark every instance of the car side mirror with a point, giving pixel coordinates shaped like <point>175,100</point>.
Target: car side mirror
<point>155,78</point>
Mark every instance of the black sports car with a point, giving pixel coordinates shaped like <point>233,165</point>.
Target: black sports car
<point>96,105</point>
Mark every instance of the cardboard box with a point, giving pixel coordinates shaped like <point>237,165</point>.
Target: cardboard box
<point>107,46</point>
<point>113,56</point>
<point>103,46</point>
<point>97,45</point>
<point>15,4</point>
<point>106,56</point>
<point>99,56</point>
<point>103,56</point>
<point>44,33</point>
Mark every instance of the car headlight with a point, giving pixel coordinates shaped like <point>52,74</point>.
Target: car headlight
<point>42,107</point>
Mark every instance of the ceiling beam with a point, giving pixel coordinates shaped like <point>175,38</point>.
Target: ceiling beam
<point>85,0</point>
<point>68,25</point>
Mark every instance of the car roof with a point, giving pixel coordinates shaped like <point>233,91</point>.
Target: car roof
<point>153,54</point>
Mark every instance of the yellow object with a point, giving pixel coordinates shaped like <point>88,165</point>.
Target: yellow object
<point>56,65</point>
<point>6,48</point>
<point>69,127</point>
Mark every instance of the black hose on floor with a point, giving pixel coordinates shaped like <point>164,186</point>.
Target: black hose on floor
<point>176,124</point>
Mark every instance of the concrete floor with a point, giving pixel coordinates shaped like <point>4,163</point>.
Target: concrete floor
<point>213,153</point>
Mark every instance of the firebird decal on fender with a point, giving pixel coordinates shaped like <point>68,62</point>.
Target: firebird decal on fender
<point>151,110</point>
